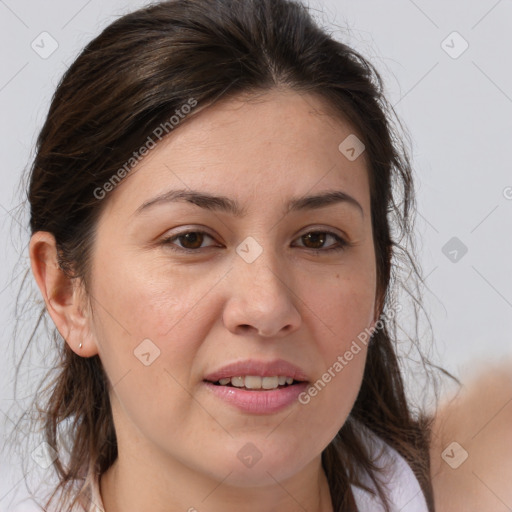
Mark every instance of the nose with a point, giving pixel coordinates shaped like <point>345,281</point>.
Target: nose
<point>260,301</point>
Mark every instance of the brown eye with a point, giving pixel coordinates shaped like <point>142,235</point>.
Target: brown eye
<point>191,240</point>
<point>316,239</point>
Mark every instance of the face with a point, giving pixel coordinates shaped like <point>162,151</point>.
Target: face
<point>261,277</point>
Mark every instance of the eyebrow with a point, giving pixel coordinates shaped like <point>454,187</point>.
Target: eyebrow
<point>225,204</point>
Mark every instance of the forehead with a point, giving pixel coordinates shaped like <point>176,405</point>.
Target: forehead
<point>274,145</point>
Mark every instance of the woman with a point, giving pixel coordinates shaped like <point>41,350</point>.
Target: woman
<point>212,200</point>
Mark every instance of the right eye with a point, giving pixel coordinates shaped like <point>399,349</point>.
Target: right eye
<point>190,241</point>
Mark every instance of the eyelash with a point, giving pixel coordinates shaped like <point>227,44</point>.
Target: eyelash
<point>342,243</point>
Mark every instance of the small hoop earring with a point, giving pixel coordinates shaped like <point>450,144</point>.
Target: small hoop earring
<point>80,346</point>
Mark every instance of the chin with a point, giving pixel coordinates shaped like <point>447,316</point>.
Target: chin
<point>260,475</point>
<point>250,466</point>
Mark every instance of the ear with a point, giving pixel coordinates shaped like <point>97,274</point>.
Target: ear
<point>62,295</point>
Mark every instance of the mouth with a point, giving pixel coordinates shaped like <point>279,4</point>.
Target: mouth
<point>258,387</point>
<point>258,375</point>
<point>256,382</point>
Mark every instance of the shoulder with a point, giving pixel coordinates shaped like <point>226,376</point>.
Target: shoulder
<point>472,442</point>
<point>403,489</point>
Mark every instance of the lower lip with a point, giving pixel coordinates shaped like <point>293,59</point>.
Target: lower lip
<point>259,401</point>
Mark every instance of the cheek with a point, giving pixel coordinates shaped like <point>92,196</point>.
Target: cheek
<point>343,310</point>
<point>149,327</point>
<point>161,304</point>
<point>344,306</point>
<point>149,333</point>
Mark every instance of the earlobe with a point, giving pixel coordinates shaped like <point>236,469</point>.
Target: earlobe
<point>61,295</point>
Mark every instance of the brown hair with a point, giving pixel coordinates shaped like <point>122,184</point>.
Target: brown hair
<point>129,80</point>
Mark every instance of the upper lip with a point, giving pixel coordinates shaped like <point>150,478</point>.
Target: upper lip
<point>277,367</point>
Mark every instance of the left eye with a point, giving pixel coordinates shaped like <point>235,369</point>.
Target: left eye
<point>191,241</point>
<point>319,237</point>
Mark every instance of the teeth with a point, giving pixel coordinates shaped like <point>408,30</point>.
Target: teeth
<point>253,382</point>
<point>256,382</point>
<point>269,382</point>
<point>238,382</point>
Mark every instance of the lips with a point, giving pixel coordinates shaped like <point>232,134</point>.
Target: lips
<point>253,368</point>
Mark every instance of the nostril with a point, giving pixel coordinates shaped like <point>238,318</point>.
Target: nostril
<point>245,328</point>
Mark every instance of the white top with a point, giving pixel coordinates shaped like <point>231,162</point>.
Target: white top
<point>404,491</point>
<point>403,487</point>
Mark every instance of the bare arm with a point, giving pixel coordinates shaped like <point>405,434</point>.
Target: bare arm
<point>479,421</point>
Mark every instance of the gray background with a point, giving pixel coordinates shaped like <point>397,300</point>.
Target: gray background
<point>456,108</point>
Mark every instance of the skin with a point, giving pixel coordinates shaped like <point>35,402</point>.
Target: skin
<point>479,419</point>
<point>177,443</point>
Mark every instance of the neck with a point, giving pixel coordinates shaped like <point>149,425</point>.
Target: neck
<point>137,483</point>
